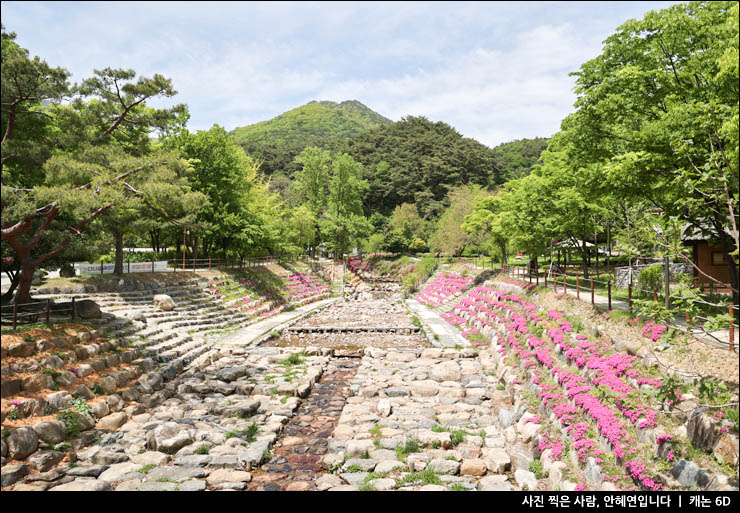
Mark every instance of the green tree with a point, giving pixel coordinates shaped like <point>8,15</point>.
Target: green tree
<point>658,110</point>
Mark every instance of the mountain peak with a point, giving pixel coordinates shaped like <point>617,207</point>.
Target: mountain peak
<point>317,119</point>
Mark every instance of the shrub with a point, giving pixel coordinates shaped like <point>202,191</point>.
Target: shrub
<point>650,279</point>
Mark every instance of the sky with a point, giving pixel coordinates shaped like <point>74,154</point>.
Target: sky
<point>495,71</point>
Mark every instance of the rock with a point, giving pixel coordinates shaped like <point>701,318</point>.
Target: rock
<point>100,409</point>
<point>192,485</point>
<point>363,463</point>
<point>521,457</point>
<point>120,471</point>
<point>689,474</point>
<point>83,484</point>
<point>328,481</point>
<point>89,471</point>
<point>151,458</point>
<point>388,466</point>
<point>726,449</point>
<point>252,455</point>
<point>228,476</point>
<point>592,471</point>
<point>164,302</point>
<point>701,430</point>
<point>384,408</point>
<point>431,438</point>
<point>358,448</point>
<point>443,466</point>
<point>60,400</point>
<point>497,460</point>
<point>84,392</point>
<point>113,421</point>
<point>628,346</point>
<point>505,417</point>
<point>45,460</point>
<point>22,349</point>
<point>13,473</point>
<point>525,479</point>
<point>473,467</point>
<point>424,388</point>
<point>445,371</point>
<point>496,483</point>
<point>109,458</point>
<point>171,445</point>
<point>22,442</point>
<point>88,309</point>
<point>176,473</point>
<point>396,392</point>
<point>432,488</point>
<point>417,461</point>
<point>38,382</point>
<point>232,373</point>
<point>51,432</point>
<point>65,378</point>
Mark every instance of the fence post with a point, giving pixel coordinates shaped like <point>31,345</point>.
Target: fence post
<point>609,289</point>
<point>101,267</point>
<point>578,288</point>
<point>629,298</point>
<point>565,283</point>
<point>74,309</point>
<point>545,279</point>
<point>209,262</point>
<point>592,291</point>
<point>15,315</point>
<point>152,264</point>
<point>554,282</point>
<point>655,296</point>
<point>48,308</point>
<point>732,329</point>
<point>128,266</point>
<point>537,275</point>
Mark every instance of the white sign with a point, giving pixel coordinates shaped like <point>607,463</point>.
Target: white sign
<point>133,267</point>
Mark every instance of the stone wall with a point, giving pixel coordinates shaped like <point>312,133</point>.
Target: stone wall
<point>621,274</point>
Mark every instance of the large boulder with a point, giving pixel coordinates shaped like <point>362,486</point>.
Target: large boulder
<point>701,430</point>
<point>22,442</point>
<point>88,309</point>
<point>164,302</point>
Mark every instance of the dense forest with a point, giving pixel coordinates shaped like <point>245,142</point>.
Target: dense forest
<point>651,149</point>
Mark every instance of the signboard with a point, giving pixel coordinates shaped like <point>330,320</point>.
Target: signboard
<point>133,267</point>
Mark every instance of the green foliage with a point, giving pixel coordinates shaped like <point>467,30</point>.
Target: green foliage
<point>410,445</point>
<point>203,449</point>
<point>712,390</point>
<point>670,391</point>
<point>517,158</point>
<point>535,467</point>
<point>312,123</point>
<point>651,279</point>
<point>425,477</point>
<point>72,423</point>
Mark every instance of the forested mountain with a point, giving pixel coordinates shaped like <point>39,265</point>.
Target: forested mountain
<point>312,123</point>
<point>517,158</point>
<point>417,161</point>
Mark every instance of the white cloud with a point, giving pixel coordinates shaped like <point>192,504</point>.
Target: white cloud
<point>496,71</point>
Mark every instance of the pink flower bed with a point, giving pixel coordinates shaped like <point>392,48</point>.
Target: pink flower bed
<point>562,389</point>
<point>442,287</point>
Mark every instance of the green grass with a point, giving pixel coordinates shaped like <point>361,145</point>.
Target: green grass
<point>146,468</point>
<point>203,449</point>
<point>425,477</point>
<point>409,446</point>
<point>536,468</point>
<point>457,487</point>
<point>353,469</point>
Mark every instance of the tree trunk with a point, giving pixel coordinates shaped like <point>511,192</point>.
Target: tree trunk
<point>14,280</point>
<point>502,246</point>
<point>585,260</point>
<point>118,267</point>
<point>28,266</point>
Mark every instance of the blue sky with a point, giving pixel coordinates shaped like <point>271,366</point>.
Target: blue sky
<point>496,71</point>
